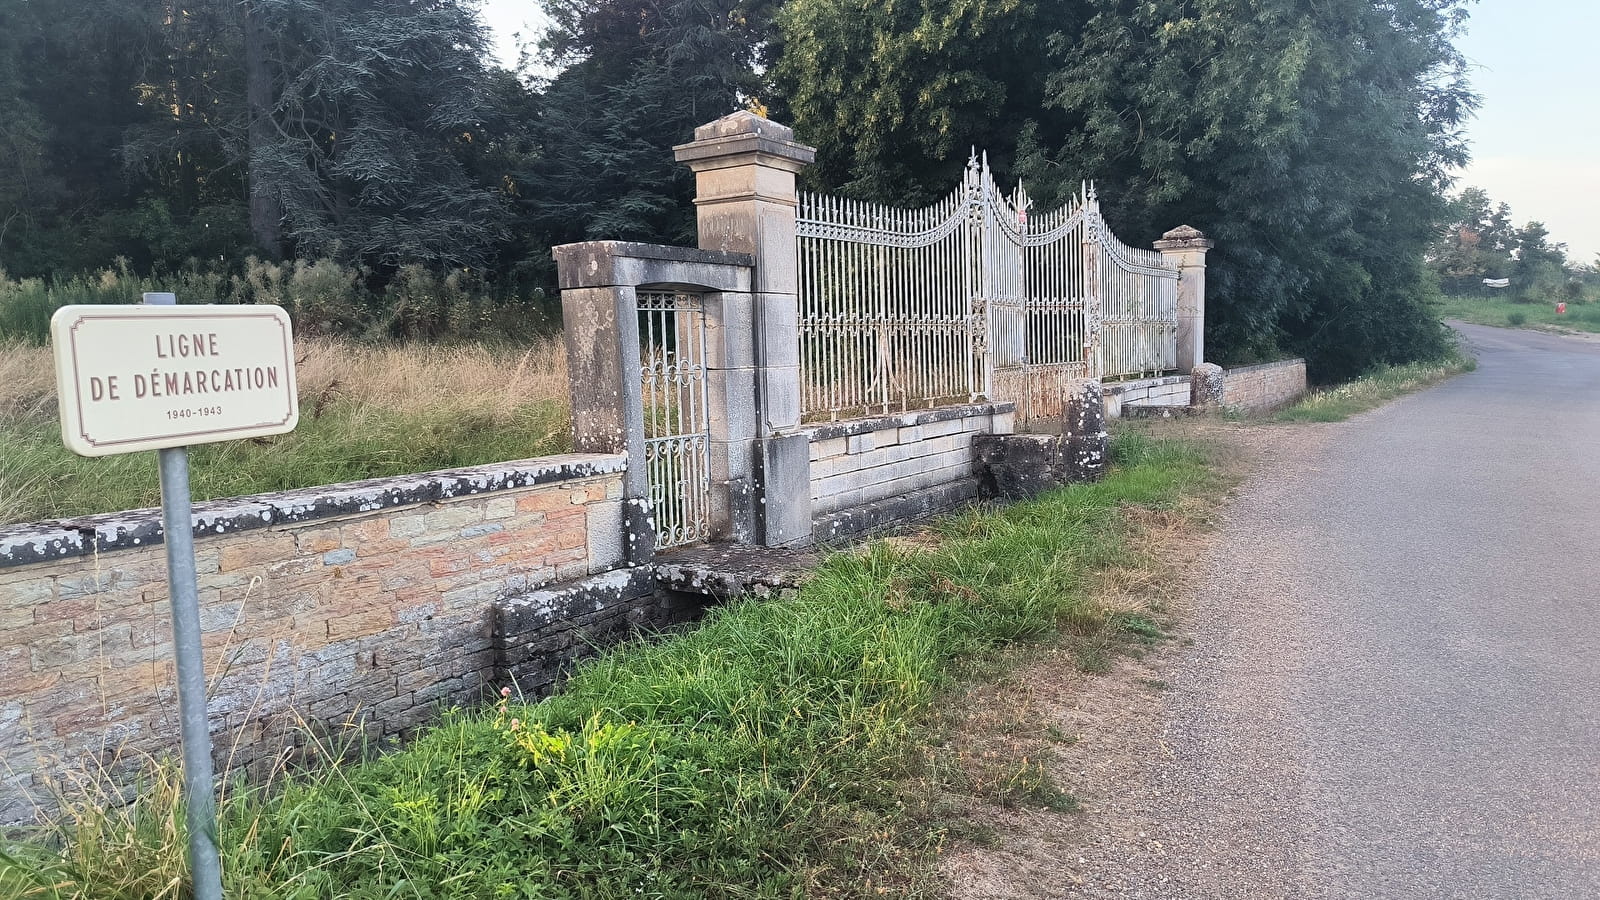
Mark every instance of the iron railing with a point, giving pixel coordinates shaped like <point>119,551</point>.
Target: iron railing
<point>886,305</point>
<point>972,297</point>
<point>672,368</point>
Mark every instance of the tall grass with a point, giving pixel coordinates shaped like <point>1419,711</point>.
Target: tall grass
<point>324,297</point>
<point>366,411</point>
<point>1373,389</point>
<point>754,757</point>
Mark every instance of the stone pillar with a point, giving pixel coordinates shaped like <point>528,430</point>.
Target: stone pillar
<point>1085,443</point>
<point>745,200</point>
<point>1015,467</point>
<point>1205,386</point>
<point>1186,248</point>
<point>731,405</point>
<point>1091,290</point>
<point>601,330</point>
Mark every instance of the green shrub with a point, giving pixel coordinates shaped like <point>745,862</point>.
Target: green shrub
<point>1517,318</point>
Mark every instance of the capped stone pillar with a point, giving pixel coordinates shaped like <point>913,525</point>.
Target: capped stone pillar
<point>1186,248</point>
<point>746,202</point>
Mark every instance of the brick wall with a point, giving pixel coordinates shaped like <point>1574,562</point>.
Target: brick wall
<point>374,600</point>
<point>1265,387</point>
<point>871,472</point>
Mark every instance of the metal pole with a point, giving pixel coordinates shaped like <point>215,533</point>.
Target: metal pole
<point>199,784</point>
<point>199,781</point>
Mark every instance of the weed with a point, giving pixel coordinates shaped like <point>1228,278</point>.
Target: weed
<point>1335,404</point>
<point>977,833</point>
<point>1057,800</point>
<point>1140,627</point>
<point>1094,660</point>
<point>1517,319</point>
<point>759,755</point>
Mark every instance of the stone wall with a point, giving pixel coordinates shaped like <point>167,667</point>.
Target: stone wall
<point>868,473</point>
<point>1263,388</point>
<point>1167,390</point>
<point>375,601</point>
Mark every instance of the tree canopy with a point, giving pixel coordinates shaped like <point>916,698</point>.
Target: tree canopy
<point>1311,141</point>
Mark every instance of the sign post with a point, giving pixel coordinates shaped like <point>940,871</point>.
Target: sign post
<point>161,376</point>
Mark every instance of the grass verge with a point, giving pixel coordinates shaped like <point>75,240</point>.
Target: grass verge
<point>367,411</point>
<point>1504,313</point>
<point>1377,387</point>
<point>757,756</point>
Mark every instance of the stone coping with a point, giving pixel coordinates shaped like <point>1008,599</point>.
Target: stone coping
<point>629,264</point>
<point>823,431</point>
<point>1276,364</point>
<point>637,250</point>
<point>62,539</point>
<point>1117,387</point>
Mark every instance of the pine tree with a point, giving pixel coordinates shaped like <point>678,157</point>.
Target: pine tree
<point>639,77</point>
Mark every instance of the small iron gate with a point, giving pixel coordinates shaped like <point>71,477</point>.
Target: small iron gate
<point>672,339</point>
<point>972,297</point>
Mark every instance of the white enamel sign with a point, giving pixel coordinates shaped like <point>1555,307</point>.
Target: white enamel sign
<point>149,377</point>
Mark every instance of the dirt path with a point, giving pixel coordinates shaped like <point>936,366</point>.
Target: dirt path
<point>1386,682</point>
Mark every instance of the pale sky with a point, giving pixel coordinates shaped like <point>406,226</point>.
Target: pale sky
<point>508,18</point>
<point>1536,139</point>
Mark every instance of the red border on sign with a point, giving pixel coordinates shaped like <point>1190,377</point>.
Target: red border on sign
<point>77,379</point>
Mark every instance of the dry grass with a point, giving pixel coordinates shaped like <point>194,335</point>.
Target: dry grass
<point>420,378</point>
<point>27,394</point>
<point>27,381</point>
<point>1006,779</point>
<point>366,411</point>
<point>410,378</point>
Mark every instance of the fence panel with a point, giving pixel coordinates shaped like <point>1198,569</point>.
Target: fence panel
<point>972,297</point>
<point>672,369</point>
<point>1053,302</point>
<point>885,306</point>
<point>1139,309</point>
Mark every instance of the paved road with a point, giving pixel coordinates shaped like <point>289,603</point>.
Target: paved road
<point>1394,690</point>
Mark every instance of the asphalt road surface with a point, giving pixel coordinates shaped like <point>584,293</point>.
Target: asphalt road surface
<point>1392,691</point>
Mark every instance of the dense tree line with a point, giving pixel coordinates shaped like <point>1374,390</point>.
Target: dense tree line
<point>1310,140</point>
<point>1481,242</point>
<point>160,132</point>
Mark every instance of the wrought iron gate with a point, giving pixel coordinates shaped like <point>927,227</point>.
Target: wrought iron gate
<point>672,338</point>
<point>972,297</point>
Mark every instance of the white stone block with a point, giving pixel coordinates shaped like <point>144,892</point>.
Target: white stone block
<point>903,451</point>
<point>731,404</point>
<point>605,535</point>
<point>829,447</point>
<point>730,331</point>
<point>781,394</point>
